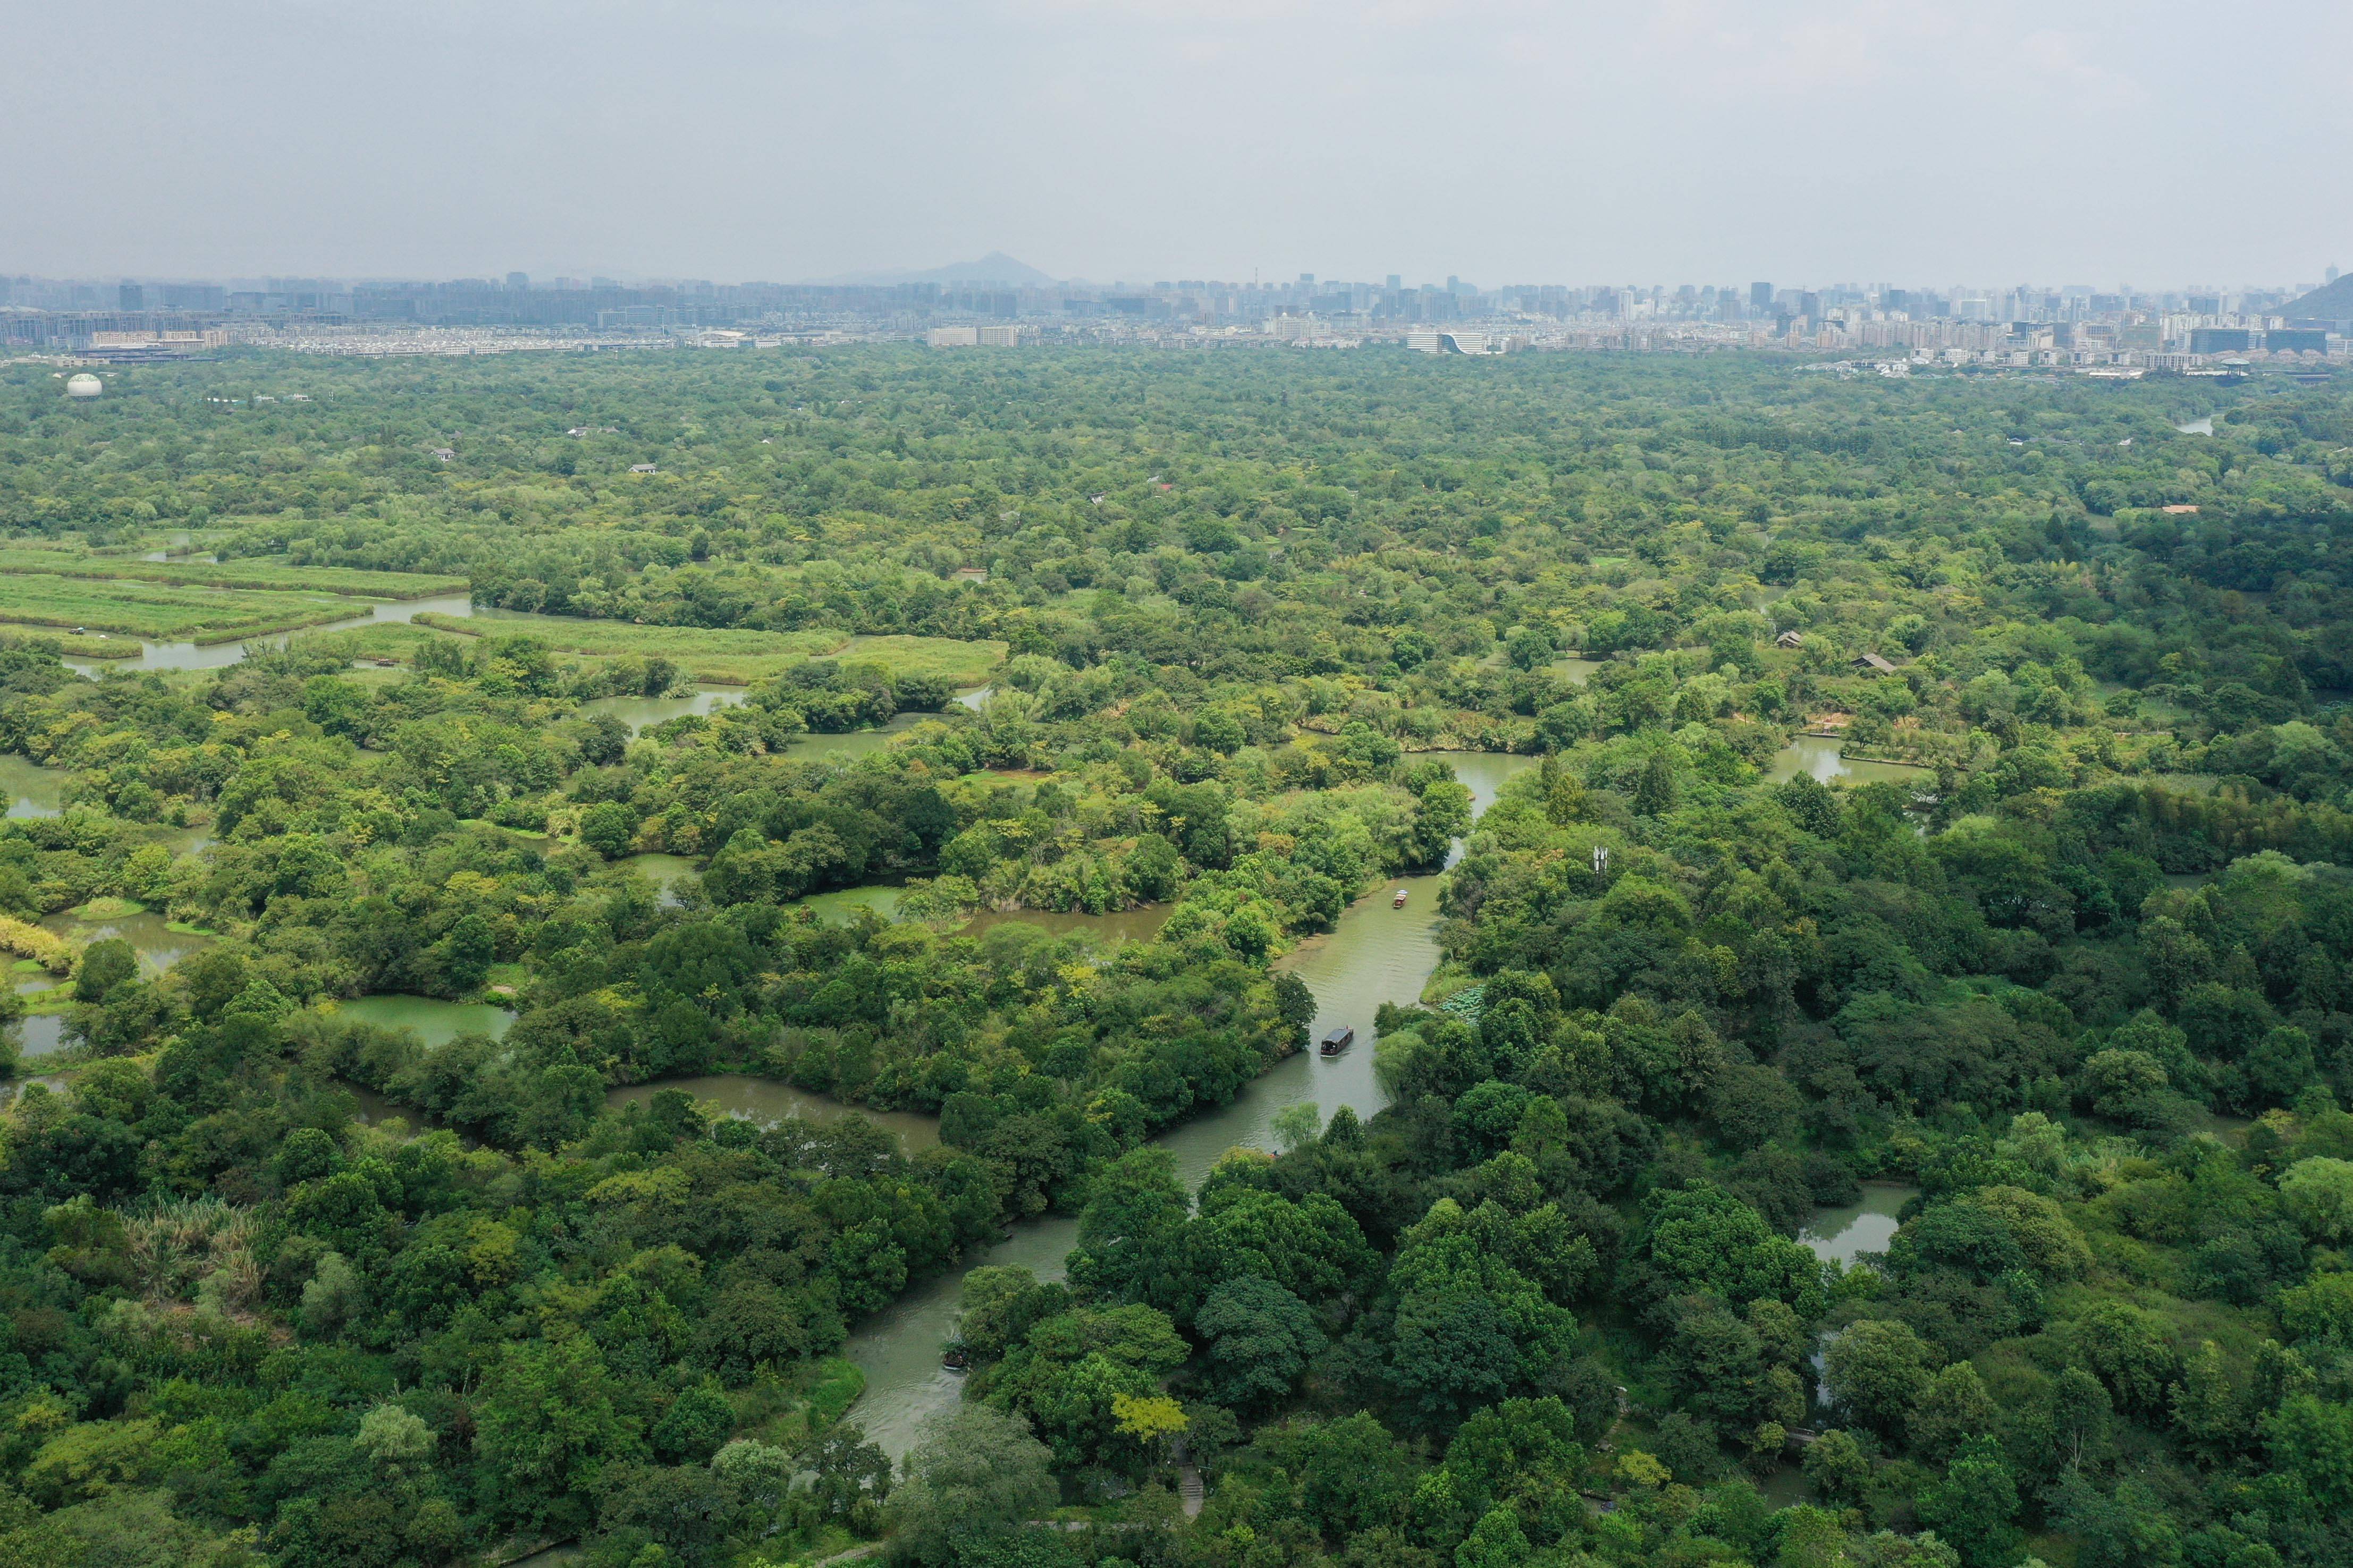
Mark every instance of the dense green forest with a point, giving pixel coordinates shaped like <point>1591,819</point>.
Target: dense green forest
<point>280,1284</point>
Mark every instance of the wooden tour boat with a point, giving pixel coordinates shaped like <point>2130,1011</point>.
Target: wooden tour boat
<point>1339,1040</point>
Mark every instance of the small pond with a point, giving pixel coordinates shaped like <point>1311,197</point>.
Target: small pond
<point>664,871</point>
<point>1820,755</point>
<point>837,907</point>
<point>149,935</point>
<point>41,1034</point>
<point>767,1102</point>
<point>642,713</point>
<point>32,789</point>
<point>851,744</point>
<point>435,1022</point>
<point>1575,672</point>
<point>1839,1234</point>
<point>2202,426</point>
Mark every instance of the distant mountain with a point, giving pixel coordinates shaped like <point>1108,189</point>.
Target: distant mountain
<point>2334,303</point>
<point>995,268</point>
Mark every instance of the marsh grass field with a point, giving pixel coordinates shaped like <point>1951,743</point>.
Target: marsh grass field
<point>732,657</point>
<point>196,601</point>
<point>262,575</point>
<point>161,611</point>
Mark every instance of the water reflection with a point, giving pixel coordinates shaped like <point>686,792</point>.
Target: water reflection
<point>898,1348</point>
<point>149,935</point>
<point>664,871</point>
<point>2202,426</point>
<point>32,789</point>
<point>849,744</point>
<point>1820,755</point>
<point>219,655</point>
<point>1836,1235</point>
<point>837,907</point>
<point>642,713</point>
<point>1575,672</point>
<point>41,1034</point>
<point>435,1022</point>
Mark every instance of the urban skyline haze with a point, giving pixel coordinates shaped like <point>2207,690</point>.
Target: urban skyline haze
<point>2157,145</point>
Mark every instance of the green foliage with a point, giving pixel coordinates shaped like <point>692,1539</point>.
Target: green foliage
<point>2078,977</point>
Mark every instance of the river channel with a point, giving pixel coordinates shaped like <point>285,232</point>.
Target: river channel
<point>1377,954</point>
<point>219,655</point>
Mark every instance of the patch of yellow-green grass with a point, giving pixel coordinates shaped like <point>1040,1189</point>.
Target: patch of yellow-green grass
<point>261,573</point>
<point>722,656</point>
<point>43,946</point>
<point>732,655</point>
<point>162,611</point>
<point>950,659</point>
<point>395,640</point>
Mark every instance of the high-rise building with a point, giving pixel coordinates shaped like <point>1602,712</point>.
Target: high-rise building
<point>518,279</point>
<point>1397,280</point>
<point>2222,339</point>
<point>2331,277</point>
<point>130,297</point>
<point>1761,297</point>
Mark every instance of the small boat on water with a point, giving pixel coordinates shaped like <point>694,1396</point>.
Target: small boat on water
<point>1338,1040</point>
<point>1398,902</point>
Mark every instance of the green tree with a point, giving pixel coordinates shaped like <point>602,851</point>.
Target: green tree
<point>974,1473</point>
<point>1259,1339</point>
<point>1878,1371</point>
<point>1974,1507</point>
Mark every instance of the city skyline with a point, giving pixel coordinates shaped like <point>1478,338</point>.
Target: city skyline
<point>2288,280</point>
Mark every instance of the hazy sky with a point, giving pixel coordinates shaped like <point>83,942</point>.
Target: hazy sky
<point>2154,143</point>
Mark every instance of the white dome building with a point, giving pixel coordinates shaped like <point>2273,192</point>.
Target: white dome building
<point>84,385</point>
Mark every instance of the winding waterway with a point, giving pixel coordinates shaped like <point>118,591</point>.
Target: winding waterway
<point>217,656</point>
<point>1377,954</point>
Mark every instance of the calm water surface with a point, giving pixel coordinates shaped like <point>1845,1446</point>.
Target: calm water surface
<point>1819,756</point>
<point>436,1022</point>
<point>853,743</point>
<point>640,713</point>
<point>662,870</point>
<point>218,655</point>
<point>1839,1234</point>
<point>151,937</point>
<point>32,789</point>
<point>41,1034</point>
